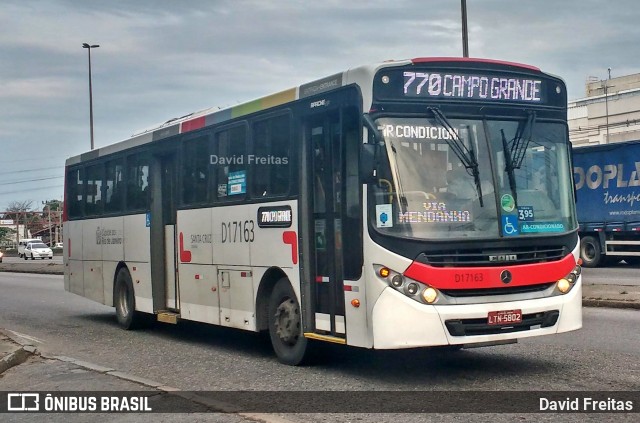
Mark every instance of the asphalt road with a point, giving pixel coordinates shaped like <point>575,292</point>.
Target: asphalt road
<point>604,355</point>
<point>619,274</point>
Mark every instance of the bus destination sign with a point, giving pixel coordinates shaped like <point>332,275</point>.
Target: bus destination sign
<point>453,84</point>
<point>467,86</point>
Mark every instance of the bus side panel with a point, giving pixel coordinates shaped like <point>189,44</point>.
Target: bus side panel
<point>234,231</point>
<point>276,247</point>
<point>270,246</point>
<point>199,293</point>
<point>92,238</point>
<point>137,256</point>
<point>195,236</point>
<point>237,306</point>
<point>141,278</point>
<point>136,242</point>
<point>93,280</point>
<point>232,234</point>
<point>73,253</point>
<point>198,283</point>
<point>112,253</point>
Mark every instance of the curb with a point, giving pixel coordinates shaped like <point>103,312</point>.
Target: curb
<point>15,358</point>
<point>595,302</point>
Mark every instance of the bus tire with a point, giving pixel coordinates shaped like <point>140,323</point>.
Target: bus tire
<point>285,324</point>
<point>590,251</point>
<point>125,301</point>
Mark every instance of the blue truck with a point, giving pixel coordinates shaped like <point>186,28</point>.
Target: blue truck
<point>607,182</point>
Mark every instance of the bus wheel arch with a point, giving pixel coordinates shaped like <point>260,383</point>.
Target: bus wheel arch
<point>285,324</point>
<point>124,299</point>
<point>267,283</point>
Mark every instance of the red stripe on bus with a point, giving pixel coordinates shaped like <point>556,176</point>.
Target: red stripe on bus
<point>290,238</point>
<point>472,60</point>
<point>185,255</point>
<point>490,277</point>
<point>193,124</point>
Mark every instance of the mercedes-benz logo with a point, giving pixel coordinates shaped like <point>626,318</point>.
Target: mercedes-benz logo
<point>505,276</point>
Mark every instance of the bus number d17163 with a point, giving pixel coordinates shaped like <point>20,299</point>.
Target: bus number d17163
<point>238,231</point>
<point>468,277</point>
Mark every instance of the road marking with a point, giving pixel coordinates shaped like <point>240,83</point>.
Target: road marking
<point>27,337</point>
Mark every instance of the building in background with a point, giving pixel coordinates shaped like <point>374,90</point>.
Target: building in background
<point>8,238</point>
<point>610,113</point>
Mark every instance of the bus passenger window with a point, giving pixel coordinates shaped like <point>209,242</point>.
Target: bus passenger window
<point>114,185</point>
<point>230,162</point>
<point>271,157</point>
<point>93,190</point>
<point>195,171</point>
<point>75,192</point>
<point>138,183</point>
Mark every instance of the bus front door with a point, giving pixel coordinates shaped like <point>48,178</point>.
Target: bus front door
<point>324,139</point>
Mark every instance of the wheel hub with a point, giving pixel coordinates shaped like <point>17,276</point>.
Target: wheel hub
<point>287,322</point>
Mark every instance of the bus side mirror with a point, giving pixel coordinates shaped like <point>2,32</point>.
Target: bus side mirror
<point>368,168</point>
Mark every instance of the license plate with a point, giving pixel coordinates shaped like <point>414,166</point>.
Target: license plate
<point>504,317</point>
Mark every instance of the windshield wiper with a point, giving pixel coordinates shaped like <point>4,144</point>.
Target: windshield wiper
<point>514,155</point>
<point>521,141</point>
<point>509,167</point>
<point>466,155</point>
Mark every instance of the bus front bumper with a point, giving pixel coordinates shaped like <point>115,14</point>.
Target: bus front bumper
<point>400,322</point>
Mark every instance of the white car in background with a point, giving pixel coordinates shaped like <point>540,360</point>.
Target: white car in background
<point>35,250</point>
<point>22,245</point>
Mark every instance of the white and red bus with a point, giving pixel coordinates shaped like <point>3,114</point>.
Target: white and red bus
<point>413,203</point>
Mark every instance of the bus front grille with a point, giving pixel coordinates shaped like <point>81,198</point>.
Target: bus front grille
<point>493,257</point>
<point>503,290</point>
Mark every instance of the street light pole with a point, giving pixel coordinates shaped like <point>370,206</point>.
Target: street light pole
<point>89,47</point>
<point>606,101</point>
<point>465,31</point>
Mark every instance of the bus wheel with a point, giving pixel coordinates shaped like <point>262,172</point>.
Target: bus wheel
<point>590,251</point>
<point>125,301</point>
<point>285,325</point>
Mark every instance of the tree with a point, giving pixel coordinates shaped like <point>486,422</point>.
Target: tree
<point>4,235</point>
<point>53,205</point>
<point>16,208</point>
<point>18,211</point>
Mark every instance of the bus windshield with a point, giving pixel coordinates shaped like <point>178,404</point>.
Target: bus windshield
<point>472,178</point>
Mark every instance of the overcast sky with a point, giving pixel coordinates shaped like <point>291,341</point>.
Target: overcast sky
<point>160,59</point>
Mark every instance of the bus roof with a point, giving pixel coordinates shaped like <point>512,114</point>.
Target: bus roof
<point>214,115</point>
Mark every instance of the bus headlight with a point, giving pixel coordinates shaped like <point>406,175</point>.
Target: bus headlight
<point>415,290</point>
<point>565,284</point>
<point>429,295</point>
